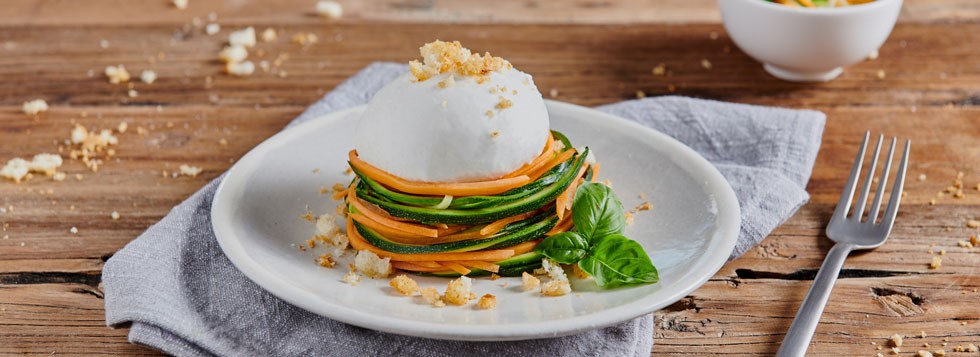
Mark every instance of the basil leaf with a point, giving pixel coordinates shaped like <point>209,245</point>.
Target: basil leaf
<point>615,260</point>
<point>565,247</point>
<point>597,212</point>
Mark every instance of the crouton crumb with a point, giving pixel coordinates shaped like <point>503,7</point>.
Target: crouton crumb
<point>330,10</point>
<point>530,281</point>
<point>233,54</point>
<point>244,37</point>
<point>494,276</point>
<point>431,296</point>
<point>404,285</point>
<point>372,265</point>
<point>896,340</point>
<point>191,171</point>
<point>458,291</point>
<point>34,107</point>
<point>556,288</point>
<point>937,262</point>
<point>240,69</point>
<point>148,76</point>
<point>504,103</point>
<point>269,35</point>
<point>352,278</point>
<point>450,57</point>
<point>117,74</point>
<point>487,302</point>
<point>973,223</point>
<point>923,353</point>
<point>180,4</point>
<point>326,261</point>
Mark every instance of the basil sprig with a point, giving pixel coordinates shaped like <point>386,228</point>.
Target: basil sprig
<point>597,244</point>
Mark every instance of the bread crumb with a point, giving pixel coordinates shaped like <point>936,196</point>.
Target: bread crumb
<point>530,281</point>
<point>556,288</point>
<point>973,223</point>
<point>896,350</point>
<point>132,93</point>
<point>73,230</point>
<point>352,278</point>
<point>939,353</point>
<point>494,134</point>
<point>305,39</point>
<point>458,291</point>
<point>117,74</point>
<point>326,261</point>
<point>922,177</point>
<point>114,215</point>
<point>449,81</point>
<point>553,93</point>
<point>629,218</point>
<point>404,285</point>
<point>240,69</point>
<point>46,164</point>
<point>659,70</point>
<point>494,276</point>
<point>372,265</point>
<point>937,262</point>
<point>34,107</point>
<point>504,103</point>
<point>881,74</point>
<point>553,269</point>
<point>59,176</point>
<point>233,54</point>
<point>489,113</point>
<point>896,340</point>
<point>450,57</point>
<point>923,353</point>
<point>212,29</point>
<point>330,10</point>
<point>269,35</point>
<point>15,170</point>
<point>705,63</point>
<point>640,94</point>
<point>244,37</point>
<point>191,171</point>
<point>873,55</point>
<point>431,295</point>
<point>487,302</point>
<point>180,4</point>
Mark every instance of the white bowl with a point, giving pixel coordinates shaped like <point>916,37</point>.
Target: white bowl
<point>808,45</point>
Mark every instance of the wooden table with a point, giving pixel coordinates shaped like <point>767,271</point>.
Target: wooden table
<point>592,52</point>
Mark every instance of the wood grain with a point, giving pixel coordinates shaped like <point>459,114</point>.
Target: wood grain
<point>598,12</point>
<point>50,299</point>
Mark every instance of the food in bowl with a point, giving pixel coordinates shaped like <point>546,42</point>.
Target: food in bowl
<point>820,3</point>
<point>458,173</point>
<point>808,44</point>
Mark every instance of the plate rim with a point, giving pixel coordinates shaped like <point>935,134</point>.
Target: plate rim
<point>729,223</point>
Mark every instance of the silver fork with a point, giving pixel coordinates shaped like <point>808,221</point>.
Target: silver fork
<point>850,233</point>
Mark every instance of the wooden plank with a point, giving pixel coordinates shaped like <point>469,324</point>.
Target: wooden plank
<point>924,65</point>
<point>96,12</point>
<point>59,319</point>
<point>48,285</point>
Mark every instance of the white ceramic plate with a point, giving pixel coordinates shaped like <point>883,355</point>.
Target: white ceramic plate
<point>689,233</point>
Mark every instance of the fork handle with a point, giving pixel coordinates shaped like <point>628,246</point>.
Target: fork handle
<point>798,338</point>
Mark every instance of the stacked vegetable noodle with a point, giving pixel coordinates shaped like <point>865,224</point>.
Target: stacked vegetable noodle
<point>467,228</point>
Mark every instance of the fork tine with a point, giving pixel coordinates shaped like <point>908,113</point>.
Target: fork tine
<point>844,205</point>
<point>888,219</point>
<point>876,206</point>
<point>863,201</point>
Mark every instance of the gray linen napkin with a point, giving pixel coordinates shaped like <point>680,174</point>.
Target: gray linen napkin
<point>183,296</point>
